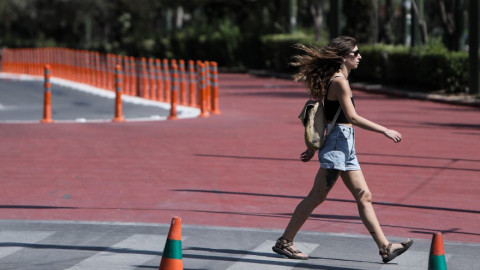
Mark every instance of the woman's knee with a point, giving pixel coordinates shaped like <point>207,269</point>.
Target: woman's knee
<point>364,197</point>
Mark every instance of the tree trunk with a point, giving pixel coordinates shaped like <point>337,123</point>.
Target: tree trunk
<point>421,22</point>
<point>316,9</point>
<point>387,34</point>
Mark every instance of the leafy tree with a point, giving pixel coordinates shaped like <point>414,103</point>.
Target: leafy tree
<point>359,20</point>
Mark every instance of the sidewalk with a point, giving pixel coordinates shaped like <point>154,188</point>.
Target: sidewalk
<point>468,100</point>
<point>37,245</point>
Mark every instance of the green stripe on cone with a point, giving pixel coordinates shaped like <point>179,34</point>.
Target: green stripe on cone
<point>173,249</point>
<point>437,262</point>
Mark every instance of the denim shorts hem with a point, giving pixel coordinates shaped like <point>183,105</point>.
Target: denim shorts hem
<point>332,166</point>
<point>353,168</point>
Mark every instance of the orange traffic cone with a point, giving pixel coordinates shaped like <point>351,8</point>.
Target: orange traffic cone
<point>172,253</point>
<point>437,254</point>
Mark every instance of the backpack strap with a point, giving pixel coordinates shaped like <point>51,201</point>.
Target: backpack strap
<point>332,124</point>
<point>328,85</point>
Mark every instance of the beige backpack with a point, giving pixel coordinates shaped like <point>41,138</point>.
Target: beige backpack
<point>313,119</point>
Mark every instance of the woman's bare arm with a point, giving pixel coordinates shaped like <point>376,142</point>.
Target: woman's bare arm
<point>343,93</point>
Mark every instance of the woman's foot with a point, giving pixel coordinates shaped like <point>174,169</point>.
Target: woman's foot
<point>391,251</point>
<point>285,247</point>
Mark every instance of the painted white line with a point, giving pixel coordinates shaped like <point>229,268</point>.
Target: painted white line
<point>11,238</point>
<point>127,254</point>
<point>253,261</point>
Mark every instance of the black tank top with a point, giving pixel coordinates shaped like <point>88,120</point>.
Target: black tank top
<point>331,107</point>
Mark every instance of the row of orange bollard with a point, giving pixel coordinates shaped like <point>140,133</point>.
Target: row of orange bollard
<point>160,80</point>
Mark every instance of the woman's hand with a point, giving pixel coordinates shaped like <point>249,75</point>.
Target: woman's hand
<point>307,155</point>
<point>393,135</point>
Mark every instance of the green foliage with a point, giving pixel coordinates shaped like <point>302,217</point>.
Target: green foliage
<point>278,49</point>
<point>427,68</point>
<point>208,42</point>
<point>359,16</point>
<point>240,34</point>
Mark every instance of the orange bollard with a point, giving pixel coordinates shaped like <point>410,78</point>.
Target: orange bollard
<point>172,253</point>
<point>199,85</point>
<point>144,75</point>
<point>191,88</point>
<point>159,79</point>
<point>208,96</point>
<point>118,60</point>
<point>133,78</point>
<point>92,68</point>
<point>126,75</point>
<point>214,78</point>
<point>47,104</point>
<point>173,101</point>
<point>203,91</point>
<point>166,80</point>
<point>151,76</point>
<point>109,70</point>
<point>118,95</point>
<point>98,71</point>
<point>183,83</point>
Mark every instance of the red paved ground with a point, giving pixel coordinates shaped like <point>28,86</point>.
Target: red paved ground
<point>241,168</point>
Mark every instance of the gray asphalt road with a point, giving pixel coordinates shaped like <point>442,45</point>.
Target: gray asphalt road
<point>44,245</point>
<point>22,101</point>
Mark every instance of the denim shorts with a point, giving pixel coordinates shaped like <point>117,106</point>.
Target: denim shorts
<point>338,151</point>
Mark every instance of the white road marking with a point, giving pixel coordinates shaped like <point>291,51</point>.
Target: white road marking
<point>10,238</point>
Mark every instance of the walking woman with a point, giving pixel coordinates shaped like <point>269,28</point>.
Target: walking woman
<point>325,72</point>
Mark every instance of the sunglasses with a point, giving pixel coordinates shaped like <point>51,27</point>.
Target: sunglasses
<point>355,53</point>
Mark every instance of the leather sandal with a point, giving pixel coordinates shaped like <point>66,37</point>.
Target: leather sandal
<point>388,254</point>
<point>285,247</point>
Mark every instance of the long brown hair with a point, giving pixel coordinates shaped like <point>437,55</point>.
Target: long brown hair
<point>317,65</point>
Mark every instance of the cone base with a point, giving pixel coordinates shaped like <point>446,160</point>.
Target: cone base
<point>437,263</point>
<point>171,264</point>
<point>118,119</point>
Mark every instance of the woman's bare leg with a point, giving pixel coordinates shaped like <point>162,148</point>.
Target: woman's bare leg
<point>355,182</point>
<point>324,181</point>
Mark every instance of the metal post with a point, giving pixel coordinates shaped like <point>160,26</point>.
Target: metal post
<point>335,24</point>
<point>474,46</point>
<point>415,33</point>
<point>407,8</point>
<point>293,15</point>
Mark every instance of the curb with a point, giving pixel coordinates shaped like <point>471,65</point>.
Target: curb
<point>471,101</point>
<point>183,111</point>
<point>380,89</point>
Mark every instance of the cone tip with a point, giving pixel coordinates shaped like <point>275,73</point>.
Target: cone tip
<point>175,232</point>
<point>437,244</point>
